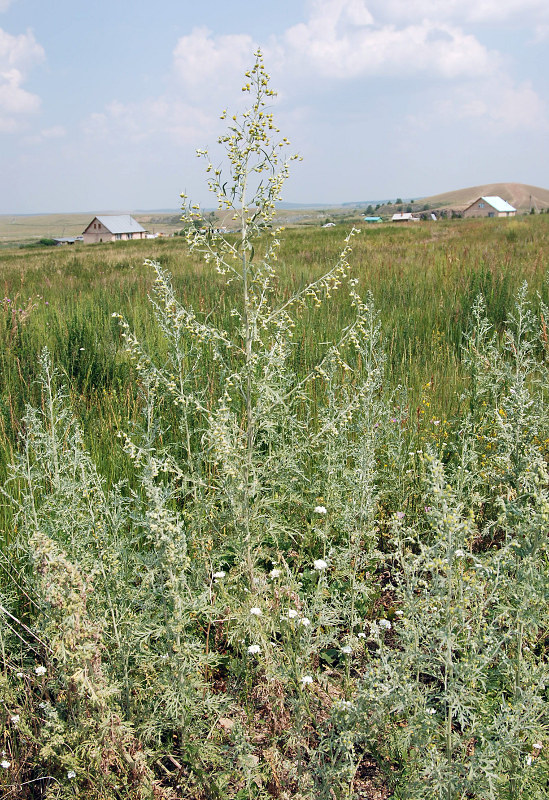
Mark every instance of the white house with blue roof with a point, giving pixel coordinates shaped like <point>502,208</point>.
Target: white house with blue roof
<point>490,207</point>
<point>112,228</point>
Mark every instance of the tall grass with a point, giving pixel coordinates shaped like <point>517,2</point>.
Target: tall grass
<point>424,281</point>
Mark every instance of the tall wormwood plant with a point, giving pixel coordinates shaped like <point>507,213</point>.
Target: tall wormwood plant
<point>166,619</point>
<point>249,443</point>
<point>268,485</point>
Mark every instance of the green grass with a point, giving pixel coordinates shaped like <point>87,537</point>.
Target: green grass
<point>187,622</point>
<point>423,278</point>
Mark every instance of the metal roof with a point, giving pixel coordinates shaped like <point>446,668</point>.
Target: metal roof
<point>499,204</point>
<point>407,217</point>
<point>121,223</point>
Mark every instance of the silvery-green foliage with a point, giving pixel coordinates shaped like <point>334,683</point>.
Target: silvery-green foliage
<point>454,694</point>
<point>110,602</point>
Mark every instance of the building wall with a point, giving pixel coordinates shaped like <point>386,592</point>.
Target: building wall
<point>96,232</point>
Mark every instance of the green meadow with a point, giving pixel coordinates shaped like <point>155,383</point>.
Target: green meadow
<point>278,532</point>
<point>424,280</point>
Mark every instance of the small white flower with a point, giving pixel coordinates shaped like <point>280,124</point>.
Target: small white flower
<point>431,711</point>
<point>319,564</point>
<point>42,705</point>
<point>460,553</point>
<point>15,719</point>
<point>320,510</point>
<point>253,649</point>
<point>529,760</point>
<point>347,649</point>
<point>40,670</point>
<point>399,613</point>
<point>538,746</point>
<point>19,674</point>
<point>5,764</point>
<point>361,635</point>
<point>255,611</point>
<point>306,679</point>
<point>275,573</point>
<point>71,774</point>
<point>384,623</point>
<point>305,621</point>
<point>219,574</point>
<point>292,613</point>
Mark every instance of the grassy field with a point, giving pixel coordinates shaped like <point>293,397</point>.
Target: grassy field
<point>265,586</point>
<point>423,280</point>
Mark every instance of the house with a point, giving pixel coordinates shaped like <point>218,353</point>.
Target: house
<point>490,207</point>
<point>404,218</point>
<point>113,228</point>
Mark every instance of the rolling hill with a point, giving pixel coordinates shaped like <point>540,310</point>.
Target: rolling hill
<point>520,195</point>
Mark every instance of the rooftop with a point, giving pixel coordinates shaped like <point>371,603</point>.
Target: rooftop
<point>499,204</point>
<point>121,223</point>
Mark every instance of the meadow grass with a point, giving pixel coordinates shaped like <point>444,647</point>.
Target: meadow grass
<point>424,280</point>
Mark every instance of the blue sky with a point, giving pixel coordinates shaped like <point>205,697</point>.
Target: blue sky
<point>103,104</point>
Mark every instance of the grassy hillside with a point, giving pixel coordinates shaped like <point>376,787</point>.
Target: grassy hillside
<point>519,195</point>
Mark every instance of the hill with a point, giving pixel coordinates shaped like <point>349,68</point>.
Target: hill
<point>522,196</point>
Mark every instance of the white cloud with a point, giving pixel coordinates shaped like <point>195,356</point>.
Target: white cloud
<point>413,40</point>
<point>462,11</point>
<point>162,118</point>
<point>207,72</point>
<point>498,105</point>
<point>5,4</point>
<point>335,47</point>
<point>18,54</point>
<point>341,40</point>
<point>541,32</point>
<point>21,51</point>
<point>508,106</point>
<point>47,134</point>
<point>14,100</point>
<point>205,65</point>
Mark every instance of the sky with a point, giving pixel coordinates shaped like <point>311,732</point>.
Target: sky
<point>103,104</point>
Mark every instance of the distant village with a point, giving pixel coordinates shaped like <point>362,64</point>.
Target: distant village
<point>124,227</point>
<point>481,207</point>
